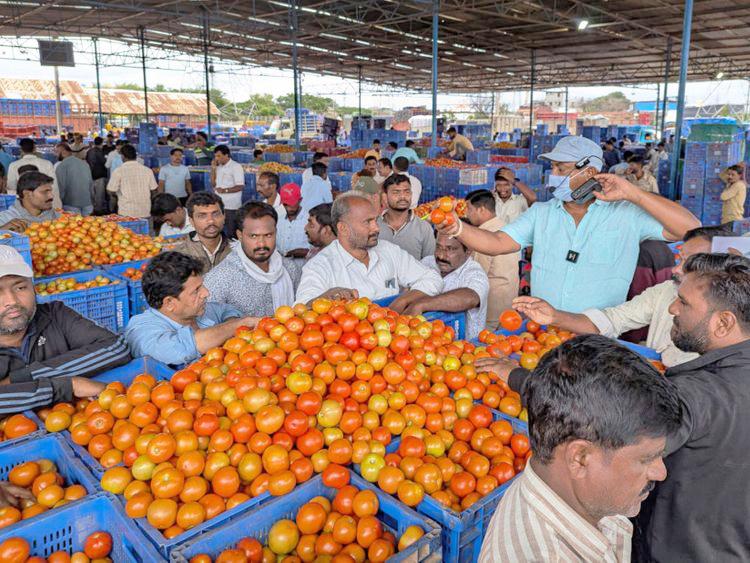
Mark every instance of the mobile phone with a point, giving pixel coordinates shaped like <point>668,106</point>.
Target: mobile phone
<point>586,191</point>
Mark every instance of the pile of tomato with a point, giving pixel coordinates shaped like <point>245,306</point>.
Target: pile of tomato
<point>135,274</point>
<point>308,391</point>
<point>448,163</point>
<point>45,488</point>
<point>61,285</point>
<point>359,153</point>
<point>73,243</point>
<point>96,547</point>
<point>446,204</point>
<point>15,426</point>
<point>347,526</point>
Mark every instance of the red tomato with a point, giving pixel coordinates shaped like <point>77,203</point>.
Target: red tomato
<point>98,545</point>
<point>335,476</point>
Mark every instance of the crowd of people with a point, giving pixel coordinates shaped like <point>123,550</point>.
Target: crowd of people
<point>628,463</point>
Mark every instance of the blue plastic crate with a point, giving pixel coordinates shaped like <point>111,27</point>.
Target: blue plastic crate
<point>66,529</point>
<point>7,201</point>
<point>396,517</point>
<point>37,433</point>
<point>54,448</point>
<point>19,242</point>
<point>107,305</point>
<point>136,299</point>
<point>648,353</point>
<point>457,321</point>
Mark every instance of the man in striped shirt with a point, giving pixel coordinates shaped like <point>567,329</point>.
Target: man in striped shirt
<point>599,417</point>
<point>47,351</point>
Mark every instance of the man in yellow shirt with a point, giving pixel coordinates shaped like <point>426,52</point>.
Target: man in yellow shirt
<point>459,146</point>
<point>734,195</point>
<point>374,151</point>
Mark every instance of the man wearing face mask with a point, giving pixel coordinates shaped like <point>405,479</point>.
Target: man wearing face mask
<point>585,250</point>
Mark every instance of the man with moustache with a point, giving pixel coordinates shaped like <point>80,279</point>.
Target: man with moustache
<point>398,223</point>
<point>33,204</point>
<point>465,285</point>
<point>599,419</point>
<point>207,242</point>
<point>255,278</point>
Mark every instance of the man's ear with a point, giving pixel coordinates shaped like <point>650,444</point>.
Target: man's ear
<point>577,457</point>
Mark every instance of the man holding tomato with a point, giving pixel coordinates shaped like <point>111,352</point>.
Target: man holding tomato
<point>598,442</point>
<point>47,350</point>
<point>585,251</point>
<point>180,325</point>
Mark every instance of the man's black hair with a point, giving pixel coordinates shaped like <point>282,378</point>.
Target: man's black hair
<point>128,152</point>
<point>393,145</point>
<point>271,177</point>
<point>318,156</point>
<point>727,283</point>
<point>98,141</point>
<point>708,233</point>
<point>409,143</point>
<point>164,204</point>
<point>223,149</point>
<point>395,179</point>
<point>482,198</point>
<point>31,181</point>
<point>255,210</point>
<point>166,274</point>
<point>369,158</point>
<point>401,164</point>
<point>176,149</point>
<point>318,169</point>
<point>257,153</point>
<point>27,145</point>
<point>592,388</point>
<point>203,199</point>
<point>27,168</point>
<point>322,214</point>
<point>385,161</point>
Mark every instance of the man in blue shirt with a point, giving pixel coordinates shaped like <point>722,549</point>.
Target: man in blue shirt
<point>408,153</point>
<point>180,324</point>
<point>317,189</point>
<point>585,251</point>
<point>174,178</point>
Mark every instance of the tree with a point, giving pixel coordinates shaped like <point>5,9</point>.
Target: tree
<point>614,101</point>
<point>317,104</point>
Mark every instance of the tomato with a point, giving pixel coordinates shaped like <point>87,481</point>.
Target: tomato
<point>14,550</point>
<point>162,513</point>
<point>335,476</point>
<point>225,482</point>
<point>98,545</point>
<point>411,535</point>
<point>510,320</point>
<point>462,484</point>
<point>411,446</point>
<point>365,504</point>
<point>23,475</point>
<point>283,537</point>
<point>503,472</point>
<point>116,479</point>
<point>369,529</point>
<point>410,493</point>
<point>519,444</point>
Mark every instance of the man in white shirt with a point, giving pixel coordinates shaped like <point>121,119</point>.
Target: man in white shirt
<point>384,169</point>
<point>174,217</point>
<point>228,180</point>
<point>291,239</point>
<point>508,206</point>
<point>267,185</point>
<point>174,178</point>
<point>650,308</point>
<point>317,189</point>
<point>42,165</point>
<point>401,166</point>
<point>357,264</point>
<point>465,285</point>
<point>307,174</point>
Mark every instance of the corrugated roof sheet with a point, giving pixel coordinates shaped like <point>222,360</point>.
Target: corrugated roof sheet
<point>119,102</point>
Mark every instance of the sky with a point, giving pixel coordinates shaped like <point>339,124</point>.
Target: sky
<point>121,63</point>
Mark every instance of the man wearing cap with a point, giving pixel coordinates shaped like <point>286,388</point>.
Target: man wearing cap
<point>369,189</point>
<point>317,189</point>
<point>33,204</point>
<point>358,265</point>
<point>585,251</point>
<point>47,350</point>
<point>291,239</point>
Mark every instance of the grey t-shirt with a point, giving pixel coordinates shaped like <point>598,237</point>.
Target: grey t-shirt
<point>416,236</point>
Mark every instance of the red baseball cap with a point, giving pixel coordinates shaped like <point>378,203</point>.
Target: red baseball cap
<point>290,194</point>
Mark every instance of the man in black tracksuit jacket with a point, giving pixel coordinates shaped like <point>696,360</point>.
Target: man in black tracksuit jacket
<point>47,351</point>
<point>701,511</point>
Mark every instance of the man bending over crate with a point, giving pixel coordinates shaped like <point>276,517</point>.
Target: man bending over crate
<point>47,350</point>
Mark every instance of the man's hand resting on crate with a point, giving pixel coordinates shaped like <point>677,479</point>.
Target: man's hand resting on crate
<point>84,388</point>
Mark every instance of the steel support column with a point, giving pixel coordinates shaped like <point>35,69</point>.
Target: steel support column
<point>58,105</point>
<point>684,57</point>
<point>435,28</point>
<point>359,96</point>
<point>295,70</point>
<point>206,70</point>
<point>98,86</point>
<point>531,93</point>
<point>665,101</point>
<point>656,117</point>
<point>566,108</point>
<point>142,38</point>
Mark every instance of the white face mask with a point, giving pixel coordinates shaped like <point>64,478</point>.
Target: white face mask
<point>561,185</point>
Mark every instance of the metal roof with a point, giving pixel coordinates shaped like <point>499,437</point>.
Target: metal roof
<point>118,102</point>
<point>484,45</point>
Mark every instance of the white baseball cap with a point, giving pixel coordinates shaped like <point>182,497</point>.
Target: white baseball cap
<point>13,264</point>
<point>576,149</point>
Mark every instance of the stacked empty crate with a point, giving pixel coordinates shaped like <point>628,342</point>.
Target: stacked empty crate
<point>363,138</point>
<point>701,184</point>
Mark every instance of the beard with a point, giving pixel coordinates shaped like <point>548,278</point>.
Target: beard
<point>694,340</point>
<point>17,324</point>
